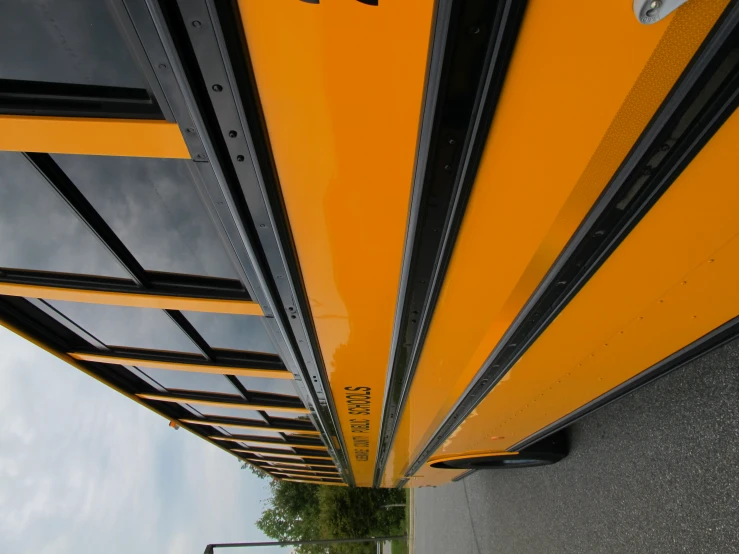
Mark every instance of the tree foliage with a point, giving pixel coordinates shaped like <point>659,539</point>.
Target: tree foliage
<point>350,512</point>
<point>256,470</point>
<point>292,512</point>
<point>301,511</point>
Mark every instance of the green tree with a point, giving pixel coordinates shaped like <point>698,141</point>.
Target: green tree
<point>298,511</point>
<point>350,512</point>
<point>256,470</point>
<point>292,514</point>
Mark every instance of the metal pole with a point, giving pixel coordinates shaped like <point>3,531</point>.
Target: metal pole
<point>209,549</point>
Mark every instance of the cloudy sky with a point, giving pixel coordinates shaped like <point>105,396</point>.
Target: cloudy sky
<point>83,470</point>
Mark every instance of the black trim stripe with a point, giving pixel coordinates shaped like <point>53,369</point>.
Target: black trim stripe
<point>37,98</point>
<point>704,97</point>
<point>227,359</point>
<point>291,424</point>
<point>160,284</point>
<point>312,477</point>
<point>319,473</point>
<point>472,47</point>
<point>311,463</point>
<point>297,441</point>
<point>295,453</point>
<point>271,401</point>
<point>288,473</point>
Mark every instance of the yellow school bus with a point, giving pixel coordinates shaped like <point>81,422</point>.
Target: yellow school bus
<point>371,242</point>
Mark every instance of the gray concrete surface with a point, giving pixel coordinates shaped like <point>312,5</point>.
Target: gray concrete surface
<point>656,472</point>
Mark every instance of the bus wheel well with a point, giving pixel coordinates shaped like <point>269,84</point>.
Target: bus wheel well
<point>547,451</point>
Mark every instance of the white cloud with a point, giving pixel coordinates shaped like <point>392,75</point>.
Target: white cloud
<point>85,470</point>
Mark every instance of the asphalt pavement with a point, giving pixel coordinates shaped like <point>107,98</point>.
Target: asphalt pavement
<point>655,472</point>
